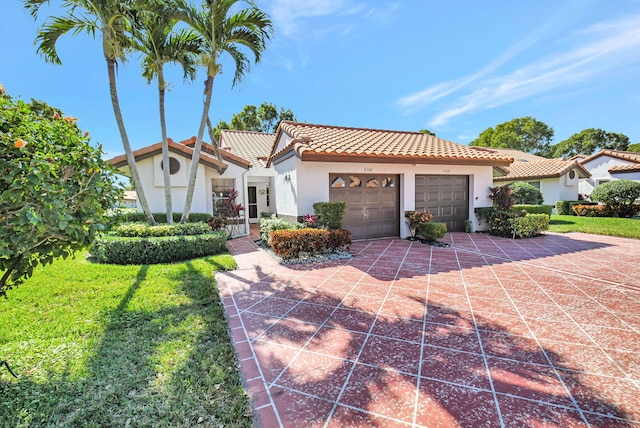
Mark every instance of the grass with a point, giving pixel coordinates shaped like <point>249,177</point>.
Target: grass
<point>623,227</point>
<point>105,345</point>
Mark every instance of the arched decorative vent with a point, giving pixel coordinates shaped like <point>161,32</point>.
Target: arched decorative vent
<point>174,165</point>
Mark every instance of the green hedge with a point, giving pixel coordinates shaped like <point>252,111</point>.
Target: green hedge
<point>136,217</point>
<point>144,230</point>
<point>270,224</point>
<point>146,251</point>
<point>566,207</point>
<point>529,225</point>
<point>431,230</point>
<point>330,214</point>
<point>534,209</point>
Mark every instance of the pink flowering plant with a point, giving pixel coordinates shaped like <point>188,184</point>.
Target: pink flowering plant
<point>414,218</point>
<point>309,220</point>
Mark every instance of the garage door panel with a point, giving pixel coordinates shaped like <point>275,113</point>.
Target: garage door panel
<point>446,197</point>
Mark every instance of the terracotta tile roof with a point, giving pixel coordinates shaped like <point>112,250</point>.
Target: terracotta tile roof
<point>210,150</point>
<point>628,156</point>
<point>252,146</point>
<point>547,168</point>
<point>341,144</point>
<point>517,155</point>
<point>155,149</point>
<point>633,167</point>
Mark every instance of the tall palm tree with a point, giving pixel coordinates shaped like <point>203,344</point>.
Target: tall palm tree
<point>155,37</point>
<point>110,19</point>
<point>224,29</point>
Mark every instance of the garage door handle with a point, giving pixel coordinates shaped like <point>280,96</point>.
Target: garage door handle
<point>364,212</point>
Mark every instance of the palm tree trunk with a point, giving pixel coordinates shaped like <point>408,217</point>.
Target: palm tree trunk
<point>135,176</point>
<point>165,150</point>
<point>208,90</point>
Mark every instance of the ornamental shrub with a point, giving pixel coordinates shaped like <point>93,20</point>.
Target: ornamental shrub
<point>330,215</point>
<point>619,196</point>
<point>431,231</point>
<point>525,193</point>
<point>143,251</point>
<point>566,207</point>
<point>270,224</point>
<point>297,243</point>
<point>534,209</point>
<point>136,217</point>
<point>55,188</point>
<point>592,211</point>
<point>416,217</point>
<point>529,225</point>
<point>144,230</point>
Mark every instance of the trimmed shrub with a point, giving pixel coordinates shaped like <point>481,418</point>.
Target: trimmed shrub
<point>273,223</point>
<point>619,196</point>
<point>566,207</point>
<point>330,214</point>
<point>530,225</point>
<point>144,230</point>
<point>534,209</point>
<point>146,251</point>
<point>525,193</point>
<point>431,231</point>
<point>592,211</point>
<point>292,244</point>
<point>339,239</point>
<point>161,218</point>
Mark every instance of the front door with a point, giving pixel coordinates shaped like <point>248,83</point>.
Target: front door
<point>253,204</point>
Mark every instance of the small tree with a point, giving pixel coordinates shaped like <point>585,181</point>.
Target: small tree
<point>54,188</point>
<point>525,193</point>
<point>619,196</point>
<point>231,211</point>
<point>501,215</point>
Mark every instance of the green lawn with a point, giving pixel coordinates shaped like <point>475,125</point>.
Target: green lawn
<point>103,345</point>
<point>624,227</point>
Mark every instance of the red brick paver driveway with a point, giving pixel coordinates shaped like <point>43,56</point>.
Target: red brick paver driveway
<point>488,332</point>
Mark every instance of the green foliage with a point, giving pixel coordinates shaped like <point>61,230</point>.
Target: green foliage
<point>566,207</point>
<point>589,141</point>
<point>635,148</point>
<point>273,223</point>
<point>525,193</point>
<point>146,251</point>
<point>265,118</point>
<point>619,196</point>
<point>330,214</point>
<point>217,222</point>
<point>526,134</point>
<point>55,188</point>
<point>143,230</point>
<point>534,209</point>
<point>529,225</point>
<point>417,217</point>
<point>136,217</point>
<point>294,244</point>
<point>501,197</point>
<point>431,231</point>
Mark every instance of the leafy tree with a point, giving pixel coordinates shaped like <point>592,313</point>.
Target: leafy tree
<point>54,188</point>
<point>525,193</point>
<point>426,131</point>
<point>265,118</point>
<point>589,141</point>
<point>224,27</point>
<point>526,134</point>
<point>159,43</point>
<point>619,196</point>
<point>634,148</point>
<point>110,19</point>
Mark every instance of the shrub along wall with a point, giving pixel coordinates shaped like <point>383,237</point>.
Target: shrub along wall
<point>294,243</point>
<point>142,230</point>
<point>133,217</point>
<point>566,207</point>
<point>530,225</point>
<point>153,250</point>
<point>534,209</point>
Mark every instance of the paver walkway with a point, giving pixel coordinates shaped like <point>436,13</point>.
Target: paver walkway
<point>489,332</point>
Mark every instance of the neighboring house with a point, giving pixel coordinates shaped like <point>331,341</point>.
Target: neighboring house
<point>608,165</point>
<point>128,200</point>
<point>254,147</point>
<point>214,179</point>
<point>380,175</point>
<point>557,179</point>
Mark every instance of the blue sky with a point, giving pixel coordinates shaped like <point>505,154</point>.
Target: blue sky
<point>455,68</point>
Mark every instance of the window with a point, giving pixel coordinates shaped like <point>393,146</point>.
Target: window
<point>355,181</point>
<point>372,182</point>
<point>599,182</point>
<point>267,189</point>
<point>535,184</point>
<point>572,174</point>
<point>174,165</point>
<point>220,189</point>
<point>337,182</point>
<point>388,182</point>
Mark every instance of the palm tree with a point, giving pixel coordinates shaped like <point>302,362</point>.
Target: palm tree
<point>222,31</point>
<point>155,38</point>
<point>110,19</point>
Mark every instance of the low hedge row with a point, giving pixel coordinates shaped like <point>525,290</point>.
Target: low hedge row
<point>144,230</point>
<point>592,211</point>
<point>431,230</point>
<point>143,251</point>
<point>273,223</point>
<point>161,218</point>
<point>566,207</point>
<point>294,243</point>
<point>534,209</point>
<point>529,225</point>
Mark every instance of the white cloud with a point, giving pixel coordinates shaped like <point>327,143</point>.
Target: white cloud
<point>290,15</point>
<point>591,55</point>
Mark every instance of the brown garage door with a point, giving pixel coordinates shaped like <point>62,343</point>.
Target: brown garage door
<point>373,203</point>
<point>446,197</point>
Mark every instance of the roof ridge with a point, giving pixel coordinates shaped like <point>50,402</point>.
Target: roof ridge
<point>355,128</point>
<point>247,132</point>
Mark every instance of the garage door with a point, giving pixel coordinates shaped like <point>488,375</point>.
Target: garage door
<point>446,197</point>
<point>373,203</point>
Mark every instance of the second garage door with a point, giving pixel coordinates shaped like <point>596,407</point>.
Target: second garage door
<point>373,203</point>
<point>446,197</point>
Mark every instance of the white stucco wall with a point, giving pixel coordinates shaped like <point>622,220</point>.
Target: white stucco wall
<point>599,169</point>
<point>300,184</point>
<point>559,189</point>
